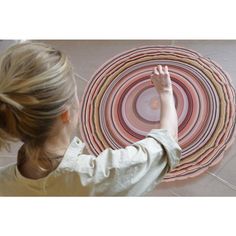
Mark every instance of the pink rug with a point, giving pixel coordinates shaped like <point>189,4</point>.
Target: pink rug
<point>120,105</point>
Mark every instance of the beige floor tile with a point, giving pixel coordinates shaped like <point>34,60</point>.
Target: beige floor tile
<point>6,160</point>
<point>9,157</point>
<point>203,185</point>
<point>228,172</point>
<point>159,192</point>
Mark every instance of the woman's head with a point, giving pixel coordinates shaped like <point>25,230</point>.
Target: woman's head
<point>37,94</point>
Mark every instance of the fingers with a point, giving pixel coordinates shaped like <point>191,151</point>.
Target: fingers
<point>158,70</point>
<point>166,70</point>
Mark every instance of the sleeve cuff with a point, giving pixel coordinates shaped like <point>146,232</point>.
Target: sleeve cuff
<point>172,148</point>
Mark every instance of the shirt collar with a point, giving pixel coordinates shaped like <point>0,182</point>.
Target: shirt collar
<point>76,147</point>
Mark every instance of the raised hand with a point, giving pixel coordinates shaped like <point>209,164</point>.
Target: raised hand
<point>161,79</point>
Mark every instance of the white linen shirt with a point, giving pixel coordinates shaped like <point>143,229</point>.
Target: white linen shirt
<point>130,171</point>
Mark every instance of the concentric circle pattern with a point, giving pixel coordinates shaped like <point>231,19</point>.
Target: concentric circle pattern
<point>120,105</point>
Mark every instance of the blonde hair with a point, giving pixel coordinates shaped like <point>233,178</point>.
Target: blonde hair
<point>36,84</point>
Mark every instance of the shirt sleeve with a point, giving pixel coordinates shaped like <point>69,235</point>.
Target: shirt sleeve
<point>133,170</point>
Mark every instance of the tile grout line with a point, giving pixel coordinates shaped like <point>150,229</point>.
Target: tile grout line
<point>223,181</point>
<point>173,192</point>
<point>81,77</point>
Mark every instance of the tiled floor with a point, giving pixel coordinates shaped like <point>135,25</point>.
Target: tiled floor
<point>88,55</point>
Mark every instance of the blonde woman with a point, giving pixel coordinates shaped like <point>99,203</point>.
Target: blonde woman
<point>39,106</point>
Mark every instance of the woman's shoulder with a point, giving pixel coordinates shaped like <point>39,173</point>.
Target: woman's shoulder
<point>72,155</point>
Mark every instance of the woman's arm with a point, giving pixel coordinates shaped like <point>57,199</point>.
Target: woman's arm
<point>169,118</point>
<point>162,82</point>
<point>130,171</point>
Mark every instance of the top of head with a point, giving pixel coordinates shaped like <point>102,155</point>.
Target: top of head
<point>36,85</point>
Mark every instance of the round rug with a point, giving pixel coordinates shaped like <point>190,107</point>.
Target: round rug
<point>120,105</point>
